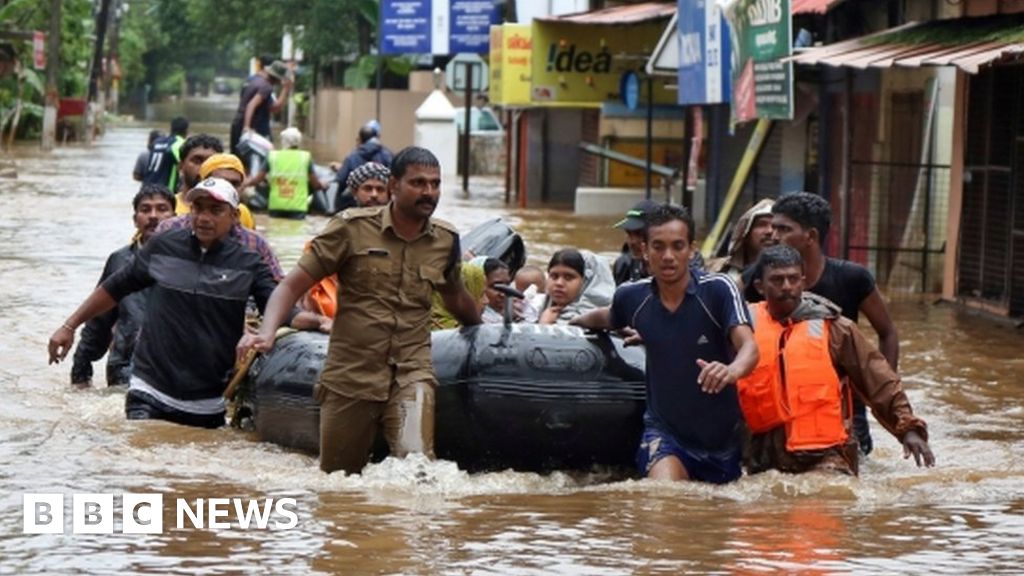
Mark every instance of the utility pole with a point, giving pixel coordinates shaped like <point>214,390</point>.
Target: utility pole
<point>95,105</point>
<point>52,77</point>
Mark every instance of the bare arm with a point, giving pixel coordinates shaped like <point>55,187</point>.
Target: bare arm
<point>253,180</point>
<point>598,319</point>
<point>97,303</point>
<point>279,307</point>
<point>282,97</point>
<point>715,376</point>
<point>250,109</point>
<point>877,313</point>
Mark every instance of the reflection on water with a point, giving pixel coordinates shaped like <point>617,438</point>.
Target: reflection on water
<point>68,210</point>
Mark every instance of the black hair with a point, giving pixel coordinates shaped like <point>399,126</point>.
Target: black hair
<point>153,135</point>
<point>492,264</point>
<point>179,126</point>
<point>147,190</point>
<point>200,141</point>
<point>665,213</point>
<point>570,257</point>
<point>412,156</point>
<point>806,209</point>
<point>778,256</point>
<point>366,133</point>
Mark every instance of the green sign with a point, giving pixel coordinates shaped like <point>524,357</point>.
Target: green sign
<point>760,33</point>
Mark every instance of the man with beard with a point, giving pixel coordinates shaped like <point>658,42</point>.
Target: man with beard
<point>200,282</point>
<point>118,329</point>
<point>389,261</point>
<point>751,234</point>
<point>796,401</point>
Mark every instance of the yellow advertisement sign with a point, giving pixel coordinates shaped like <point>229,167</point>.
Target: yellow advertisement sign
<point>582,64</point>
<point>511,51</point>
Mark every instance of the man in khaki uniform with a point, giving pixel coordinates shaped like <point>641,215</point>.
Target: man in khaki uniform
<point>389,260</point>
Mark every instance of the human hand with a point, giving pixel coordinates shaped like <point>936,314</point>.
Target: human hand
<point>914,444</point>
<point>630,337</point>
<point>258,342</point>
<point>60,343</point>
<point>714,376</point>
<point>326,323</point>
<point>549,315</point>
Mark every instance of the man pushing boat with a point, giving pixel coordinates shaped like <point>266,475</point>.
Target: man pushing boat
<point>389,260</point>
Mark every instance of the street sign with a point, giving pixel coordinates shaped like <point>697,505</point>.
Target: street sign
<point>39,50</point>
<point>455,73</point>
<point>629,89</point>
<point>436,26</point>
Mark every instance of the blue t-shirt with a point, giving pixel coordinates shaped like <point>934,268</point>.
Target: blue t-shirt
<point>699,328</point>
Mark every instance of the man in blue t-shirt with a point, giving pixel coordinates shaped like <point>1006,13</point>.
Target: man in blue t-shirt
<point>699,342</point>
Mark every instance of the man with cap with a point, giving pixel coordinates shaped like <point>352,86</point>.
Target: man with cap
<point>228,167</point>
<point>630,266</point>
<point>368,149</point>
<point>751,234</point>
<point>291,176</point>
<point>199,283</point>
<point>257,101</point>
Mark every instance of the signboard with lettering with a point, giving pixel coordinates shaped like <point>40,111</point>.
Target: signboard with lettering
<point>760,33</point>
<point>510,64</point>
<point>436,26</point>
<point>581,66</point>
<point>38,50</point>
<point>704,53</point>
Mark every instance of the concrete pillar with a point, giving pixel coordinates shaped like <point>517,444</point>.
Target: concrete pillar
<point>436,131</point>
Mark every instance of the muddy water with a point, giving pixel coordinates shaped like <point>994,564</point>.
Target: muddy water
<point>68,210</point>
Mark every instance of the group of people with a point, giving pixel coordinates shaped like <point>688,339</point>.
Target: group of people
<point>771,386</point>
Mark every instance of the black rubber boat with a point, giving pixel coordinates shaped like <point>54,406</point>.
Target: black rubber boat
<point>523,396</point>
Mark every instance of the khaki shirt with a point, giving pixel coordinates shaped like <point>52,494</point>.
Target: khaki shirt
<point>381,330</point>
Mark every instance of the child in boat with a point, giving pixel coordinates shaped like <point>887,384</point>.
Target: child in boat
<point>578,281</point>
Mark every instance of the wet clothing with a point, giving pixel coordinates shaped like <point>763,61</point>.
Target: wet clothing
<point>195,312</point>
<point>627,268</point>
<point>370,151</point>
<point>115,330</point>
<point>596,291</point>
<point>288,172</point>
<point>140,406</point>
<point>163,162</point>
<point>733,263</point>
<point>847,284</point>
<point>246,237</point>
<point>865,373</point>
<point>260,121</point>
<point>714,467</point>
<point>698,328</point>
<point>385,285</point>
<point>141,163</point>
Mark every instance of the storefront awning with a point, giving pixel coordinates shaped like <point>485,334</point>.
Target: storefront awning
<point>812,6</point>
<point>618,15</point>
<point>966,43</point>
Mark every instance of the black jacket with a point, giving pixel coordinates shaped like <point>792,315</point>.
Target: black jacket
<point>370,151</point>
<point>195,310</point>
<point>116,330</point>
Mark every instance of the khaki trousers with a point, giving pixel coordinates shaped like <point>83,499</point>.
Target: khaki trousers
<point>348,426</point>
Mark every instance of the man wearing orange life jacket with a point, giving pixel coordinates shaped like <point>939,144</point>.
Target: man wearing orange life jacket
<point>795,405</point>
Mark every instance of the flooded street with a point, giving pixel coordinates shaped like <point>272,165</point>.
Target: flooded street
<point>68,210</point>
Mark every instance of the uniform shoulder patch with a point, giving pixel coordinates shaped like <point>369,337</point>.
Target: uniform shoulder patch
<point>355,213</point>
<point>445,225</point>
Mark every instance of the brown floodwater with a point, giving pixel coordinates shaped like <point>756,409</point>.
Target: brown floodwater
<point>67,210</point>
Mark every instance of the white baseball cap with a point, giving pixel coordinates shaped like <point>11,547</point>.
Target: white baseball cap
<point>217,188</point>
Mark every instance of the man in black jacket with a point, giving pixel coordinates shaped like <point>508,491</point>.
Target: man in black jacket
<point>369,149</point>
<point>200,281</point>
<point>118,328</point>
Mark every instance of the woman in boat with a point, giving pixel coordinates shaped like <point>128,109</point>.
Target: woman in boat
<point>578,281</point>
<point>476,283</point>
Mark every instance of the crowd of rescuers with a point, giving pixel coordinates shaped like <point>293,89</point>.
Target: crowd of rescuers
<point>751,370</point>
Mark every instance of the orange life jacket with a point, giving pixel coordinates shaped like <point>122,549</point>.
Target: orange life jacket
<point>794,384</point>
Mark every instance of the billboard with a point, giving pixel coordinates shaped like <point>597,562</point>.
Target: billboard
<point>704,53</point>
<point>436,26</point>
<point>511,46</point>
<point>760,33</point>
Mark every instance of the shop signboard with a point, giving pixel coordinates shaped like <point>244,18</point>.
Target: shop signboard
<point>704,53</point>
<point>760,34</point>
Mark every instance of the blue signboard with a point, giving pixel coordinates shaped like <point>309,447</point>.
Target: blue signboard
<point>436,26</point>
<point>704,53</point>
<point>405,26</point>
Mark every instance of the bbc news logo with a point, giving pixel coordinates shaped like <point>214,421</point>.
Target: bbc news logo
<point>144,513</point>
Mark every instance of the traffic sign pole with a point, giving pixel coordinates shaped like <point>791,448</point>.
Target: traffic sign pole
<point>465,133</point>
